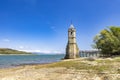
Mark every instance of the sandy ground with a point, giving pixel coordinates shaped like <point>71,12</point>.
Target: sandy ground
<point>35,72</point>
<point>31,73</point>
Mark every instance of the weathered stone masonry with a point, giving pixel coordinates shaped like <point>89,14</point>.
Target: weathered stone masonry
<point>72,50</point>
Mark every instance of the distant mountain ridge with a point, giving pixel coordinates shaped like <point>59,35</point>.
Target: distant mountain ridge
<point>12,51</point>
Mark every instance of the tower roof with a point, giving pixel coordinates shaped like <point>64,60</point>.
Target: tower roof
<point>71,26</point>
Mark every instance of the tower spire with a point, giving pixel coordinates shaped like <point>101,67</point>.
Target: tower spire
<point>71,25</point>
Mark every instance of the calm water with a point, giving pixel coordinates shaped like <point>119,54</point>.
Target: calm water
<point>7,61</point>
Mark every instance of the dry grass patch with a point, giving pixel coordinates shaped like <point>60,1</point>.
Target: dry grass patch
<point>102,66</point>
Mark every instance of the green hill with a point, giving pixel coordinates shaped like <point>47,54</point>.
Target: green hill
<point>11,51</point>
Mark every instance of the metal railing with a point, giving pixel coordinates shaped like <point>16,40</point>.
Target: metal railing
<point>89,53</point>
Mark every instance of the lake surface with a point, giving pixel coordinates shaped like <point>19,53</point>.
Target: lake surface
<point>7,61</point>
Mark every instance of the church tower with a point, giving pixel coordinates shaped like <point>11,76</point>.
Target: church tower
<point>72,50</point>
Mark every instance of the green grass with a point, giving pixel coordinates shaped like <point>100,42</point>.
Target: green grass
<point>118,71</point>
<point>117,59</point>
<point>11,51</point>
<point>102,65</point>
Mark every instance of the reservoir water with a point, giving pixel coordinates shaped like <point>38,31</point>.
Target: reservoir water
<point>7,61</point>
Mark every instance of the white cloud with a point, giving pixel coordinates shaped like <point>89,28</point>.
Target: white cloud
<point>50,52</point>
<point>37,51</point>
<point>6,40</point>
<point>31,50</point>
<point>45,52</point>
<point>21,47</point>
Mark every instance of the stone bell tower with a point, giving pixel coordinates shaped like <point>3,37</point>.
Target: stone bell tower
<point>72,50</point>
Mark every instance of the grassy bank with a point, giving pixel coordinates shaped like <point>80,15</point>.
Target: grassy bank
<point>108,65</point>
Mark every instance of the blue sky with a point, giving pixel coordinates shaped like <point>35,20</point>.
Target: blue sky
<point>42,25</point>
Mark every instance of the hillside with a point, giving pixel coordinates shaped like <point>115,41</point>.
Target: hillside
<point>11,51</point>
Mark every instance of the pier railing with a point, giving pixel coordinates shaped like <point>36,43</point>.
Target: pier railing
<point>89,53</point>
